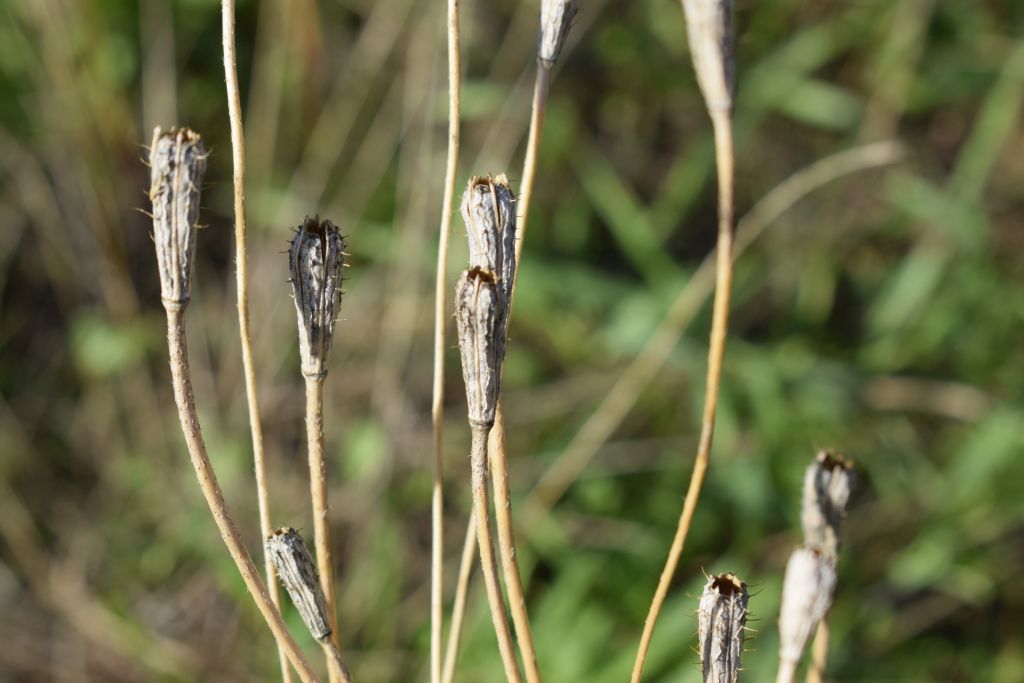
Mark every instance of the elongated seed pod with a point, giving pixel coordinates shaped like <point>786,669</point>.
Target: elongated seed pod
<point>827,486</point>
<point>316,260</point>
<point>298,574</point>
<point>479,319</point>
<point>488,209</point>
<point>555,21</point>
<point>709,28</point>
<point>721,618</point>
<point>806,596</point>
<point>177,162</point>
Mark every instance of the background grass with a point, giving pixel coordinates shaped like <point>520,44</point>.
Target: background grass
<point>881,316</point>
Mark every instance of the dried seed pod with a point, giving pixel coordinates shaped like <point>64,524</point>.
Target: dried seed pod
<point>488,209</point>
<point>709,27</point>
<point>806,596</point>
<point>297,571</point>
<point>177,161</point>
<point>555,21</point>
<point>721,618</point>
<point>827,486</point>
<point>479,316</point>
<point>316,259</point>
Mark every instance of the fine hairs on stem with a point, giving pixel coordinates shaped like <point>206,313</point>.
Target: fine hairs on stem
<point>177,162</point>
<point>316,260</point>
<point>710,32</point>
<point>437,398</point>
<point>242,293</point>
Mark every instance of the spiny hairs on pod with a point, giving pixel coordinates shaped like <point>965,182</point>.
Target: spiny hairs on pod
<point>316,260</point>
<point>177,162</point>
<point>721,619</point>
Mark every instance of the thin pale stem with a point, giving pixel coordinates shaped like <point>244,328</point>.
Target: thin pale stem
<point>242,289</point>
<point>716,351</point>
<point>507,546</point>
<point>181,379</point>
<point>819,654</point>
<point>540,98</point>
<point>787,671</point>
<point>451,653</point>
<point>481,511</point>
<point>318,495</point>
<point>440,319</point>
<point>335,662</point>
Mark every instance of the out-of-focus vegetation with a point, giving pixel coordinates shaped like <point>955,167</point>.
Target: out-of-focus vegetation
<point>880,315</point>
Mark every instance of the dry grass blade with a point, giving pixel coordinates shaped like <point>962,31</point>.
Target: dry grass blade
<point>440,320</point>
<point>242,293</point>
<point>451,653</point>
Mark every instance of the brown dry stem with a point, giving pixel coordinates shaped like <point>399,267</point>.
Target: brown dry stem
<point>451,653</point>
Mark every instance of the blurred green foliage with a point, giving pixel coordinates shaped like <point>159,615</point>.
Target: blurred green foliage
<point>880,315</point>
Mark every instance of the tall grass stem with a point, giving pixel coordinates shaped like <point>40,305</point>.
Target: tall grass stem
<point>242,289</point>
<point>451,651</point>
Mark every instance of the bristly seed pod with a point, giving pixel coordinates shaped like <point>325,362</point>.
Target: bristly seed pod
<point>297,571</point>
<point>177,161</point>
<point>721,619</point>
<point>555,21</point>
<point>316,260</point>
<point>479,317</point>
<point>488,209</point>
<point>709,28</point>
<point>806,597</point>
<point>827,486</point>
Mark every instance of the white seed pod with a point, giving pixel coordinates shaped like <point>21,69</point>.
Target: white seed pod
<point>806,597</point>
<point>479,318</point>
<point>488,209</point>
<point>177,162</point>
<point>298,574</point>
<point>721,619</point>
<point>316,260</point>
<point>827,486</point>
<point>555,21</point>
<point>709,27</point>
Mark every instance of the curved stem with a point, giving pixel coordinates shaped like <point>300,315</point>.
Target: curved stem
<point>242,289</point>
<point>335,662</point>
<point>819,654</point>
<point>540,98</point>
<point>507,546</point>
<point>451,652</point>
<point>437,401</point>
<point>716,351</point>
<point>481,511</point>
<point>181,379</point>
<point>318,494</point>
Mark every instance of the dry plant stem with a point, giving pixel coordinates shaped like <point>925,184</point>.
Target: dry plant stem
<point>242,288</point>
<point>318,494</point>
<point>787,672</point>
<point>451,652</point>
<point>507,546</point>
<point>481,506</point>
<point>540,98</point>
<point>181,380</point>
<point>819,654</point>
<point>440,319</point>
<point>335,663</point>
<point>722,124</point>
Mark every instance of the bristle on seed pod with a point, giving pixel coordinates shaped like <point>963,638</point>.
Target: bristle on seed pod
<point>709,28</point>
<point>479,317</point>
<point>298,574</point>
<point>827,486</point>
<point>555,21</point>
<point>721,619</point>
<point>177,161</point>
<point>316,260</point>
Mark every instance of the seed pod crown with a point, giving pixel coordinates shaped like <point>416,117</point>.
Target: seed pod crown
<point>316,260</point>
<point>721,618</point>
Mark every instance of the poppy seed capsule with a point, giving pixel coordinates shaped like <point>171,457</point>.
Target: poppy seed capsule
<point>479,317</point>
<point>709,29</point>
<point>177,162</point>
<point>827,486</point>
<point>721,618</point>
<point>555,21</point>
<point>488,209</point>
<point>298,574</point>
<point>316,259</point>
<point>806,597</point>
